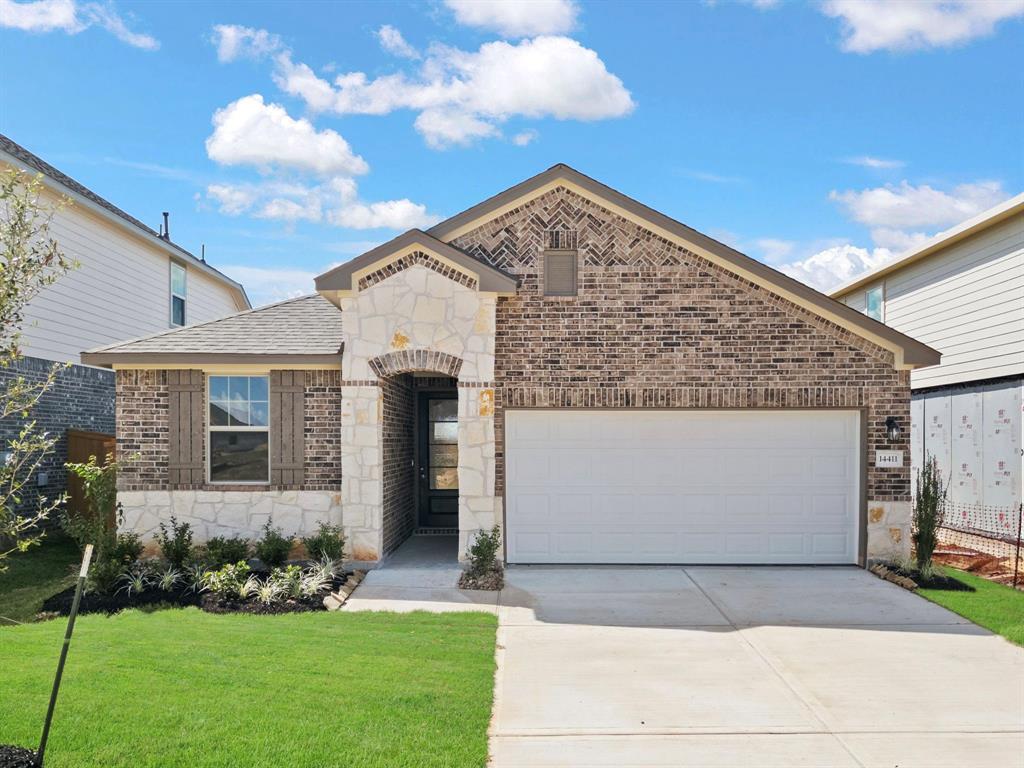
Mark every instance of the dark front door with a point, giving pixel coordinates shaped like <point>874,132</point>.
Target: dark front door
<point>437,459</point>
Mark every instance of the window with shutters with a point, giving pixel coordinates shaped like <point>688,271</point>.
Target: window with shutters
<point>239,429</point>
<point>560,268</point>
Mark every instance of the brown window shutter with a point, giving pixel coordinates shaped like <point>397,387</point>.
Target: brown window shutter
<point>560,273</point>
<point>287,427</point>
<point>186,422</point>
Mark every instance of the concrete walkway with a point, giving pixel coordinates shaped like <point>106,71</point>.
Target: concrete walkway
<point>752,667</point>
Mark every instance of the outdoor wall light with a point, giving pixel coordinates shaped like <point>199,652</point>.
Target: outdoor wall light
<point>893,429</point>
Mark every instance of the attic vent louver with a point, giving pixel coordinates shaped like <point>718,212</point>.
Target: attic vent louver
<point>561,239</point>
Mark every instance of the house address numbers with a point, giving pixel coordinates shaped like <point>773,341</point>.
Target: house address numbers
<point>888,458</point>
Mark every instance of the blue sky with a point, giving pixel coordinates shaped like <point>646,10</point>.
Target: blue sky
<point>821,138</point>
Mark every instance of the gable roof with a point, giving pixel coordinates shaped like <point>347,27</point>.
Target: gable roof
<point>490,278</point>
<point>979,223</point>
<point>908,352</point>
<point>17,155</point>
<point>306,329</point>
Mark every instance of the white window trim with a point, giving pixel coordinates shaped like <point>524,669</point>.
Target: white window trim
<point>880,287</point>
<point>173,295</point>
<point>211,428</point>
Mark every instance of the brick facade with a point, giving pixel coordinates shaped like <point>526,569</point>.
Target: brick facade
<point>398,404</point>
<point>143,433</point>
<point>81,398</point>
<point>657,326</point>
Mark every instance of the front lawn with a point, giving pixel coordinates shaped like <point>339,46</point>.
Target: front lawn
<point>993,606</point>
<point>33,576</point>
<point>187,688</point>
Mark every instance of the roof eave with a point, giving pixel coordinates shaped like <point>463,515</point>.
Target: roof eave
<point>941,241</point>
<point>171,249</point>
<point>909,352</point>
<point>339,281</point>
<point>158,359</point>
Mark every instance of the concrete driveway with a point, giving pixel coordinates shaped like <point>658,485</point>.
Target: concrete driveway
<point>713,667</point>
<point>753,667</point>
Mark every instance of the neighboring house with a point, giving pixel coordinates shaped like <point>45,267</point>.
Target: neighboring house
<point>129,281</point>
<point>603,382</point>
<point>962,292</point>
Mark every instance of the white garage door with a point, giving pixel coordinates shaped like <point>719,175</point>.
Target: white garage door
<point>643,486</point>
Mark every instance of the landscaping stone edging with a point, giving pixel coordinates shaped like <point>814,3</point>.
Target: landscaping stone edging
<point>334,600</point>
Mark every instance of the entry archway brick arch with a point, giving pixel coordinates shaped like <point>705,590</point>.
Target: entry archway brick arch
<point>416,360</point>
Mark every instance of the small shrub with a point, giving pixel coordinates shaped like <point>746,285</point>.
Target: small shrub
<point>483,552</point>
<point>274,547</point>
<point>230,581</point>
<point>169,579</point>
<point>134,582</point>
<point>327,542</point>
<point>314,582</point>
<point>929,512</point>
<point>104,575</point>
<point>267,592</point>
<point>224,550</point>
<point>127,548</point>
<point>176,543</point>
<point>288,579</point>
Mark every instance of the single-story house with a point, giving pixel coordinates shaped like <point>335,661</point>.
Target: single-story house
<point>606,384</point>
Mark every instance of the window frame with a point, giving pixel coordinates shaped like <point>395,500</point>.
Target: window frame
<point>575,254</point>
<point>880,288</point>
<point>211,428</point>
<point>183,296</point>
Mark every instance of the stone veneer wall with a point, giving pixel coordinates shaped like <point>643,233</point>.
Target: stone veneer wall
<point>398,411</point>
<point>81,398</point>
<point>657,326</point>
<point>213,510</point>
<point>419,315</point>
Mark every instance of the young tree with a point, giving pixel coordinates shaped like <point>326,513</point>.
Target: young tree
<point>929,512</point>
<point>30,260</point>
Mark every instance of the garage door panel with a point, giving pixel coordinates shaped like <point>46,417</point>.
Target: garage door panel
<point>677,486</point>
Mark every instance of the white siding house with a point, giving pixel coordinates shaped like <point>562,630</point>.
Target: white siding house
<point>121,287</point>
<point>962,293</point>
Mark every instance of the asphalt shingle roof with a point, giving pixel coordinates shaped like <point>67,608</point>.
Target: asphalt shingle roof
<point>308,325</point>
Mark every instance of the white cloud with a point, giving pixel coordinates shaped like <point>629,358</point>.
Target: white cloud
<point>334,202</point>
<point>873,25</point>
<point>250,132</point>
<point>714,178</point>
<point>389,214</point>
<point>906,206</point>
<point>833,266</point>
<point>462,96</point>
<point>877,163</point>
<point>516,18</point>
<point>391,40</point>
<point>235,42</point>
<point>71,17</point>
<point>775,250</point>
<point>524,138</point>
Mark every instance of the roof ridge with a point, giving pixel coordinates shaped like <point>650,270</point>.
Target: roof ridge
<point>171,331</point>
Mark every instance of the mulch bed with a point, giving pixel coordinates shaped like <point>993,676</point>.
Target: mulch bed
<point>16,757</point>
<point>489,580</point>
<point>60,603</point>
<point>938,581</point>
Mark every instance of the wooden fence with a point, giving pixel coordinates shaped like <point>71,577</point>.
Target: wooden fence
<point>82,445</point>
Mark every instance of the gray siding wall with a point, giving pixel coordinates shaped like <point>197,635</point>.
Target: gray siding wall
<point>81,398</point>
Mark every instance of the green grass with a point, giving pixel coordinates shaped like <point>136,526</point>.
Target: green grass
<point>186,688</point>
<point>993,606</point>
<point>33,576</point>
